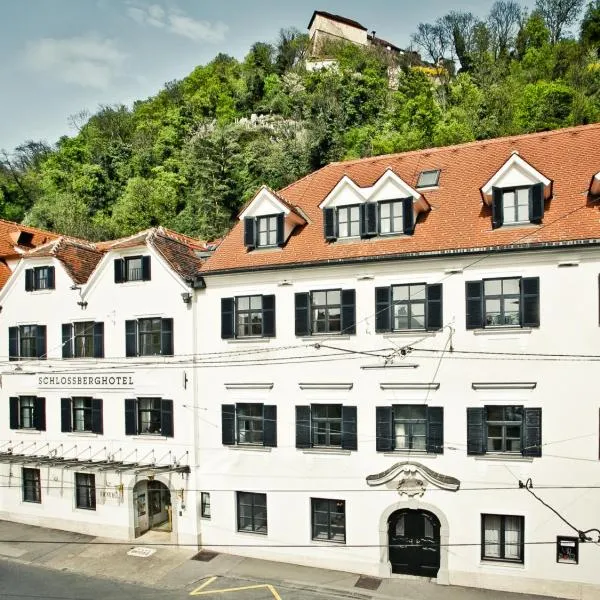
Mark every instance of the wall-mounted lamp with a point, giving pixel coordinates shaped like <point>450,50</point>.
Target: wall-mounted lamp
<point>284,283</point>
<point>75,287</point>
<point>186,297</point>
<point>83,304</point>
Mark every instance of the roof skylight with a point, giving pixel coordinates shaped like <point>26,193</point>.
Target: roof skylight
<point>428,178</point>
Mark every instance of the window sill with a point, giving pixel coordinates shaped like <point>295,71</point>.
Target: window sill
<point>250,448</point>
<point>87,434</point>
<point>90,509</point>
<point>327,542</point>
<point>327,451</point>
<point>324,336</point>
<point>493,562</point>
<point>505,457</point>
<point>266,249</point>
<point>503,331</point>
<point>520,225</point>
<point>409,453</point>
<point>263,533</point>
<point>149,436</point>
<point>41,292</point>
<point>250,340</point>
<point>409,333</point>
<point>28,431</point>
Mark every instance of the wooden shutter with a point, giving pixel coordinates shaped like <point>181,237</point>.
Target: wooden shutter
<point>384,426</point>
<point>434,314</point>
<point>13,343</point>
<point>303,427</point>
<point>536,203</point>
<point>99,340</point>
<point>40,342</point>
<point>227,318</point>
<point>249,232</point>
<point>383,309</point>
<point>302,321</point>
<point>131,338</point>
<point>146,274</point>
<point>119,270</point>
<point>66,413</point>
<point>408,216</point>
<point>166,337</point>
<point>270,425</point>
<point>29,280</point>
<point>497,208</point>
<point>97,420</point>
<point>14,413</point>
<point>368,219</point>
<point>349,438</point>
<point>280,229</point>
<point>39,414</point>
<point>329,224</point>
<point>166,418</point>
<point>228,424</point>
<point>474,294</point>
<point>348,312</point>
<point>435,429</point>
<point>131,416</point>
<point>530,302</point>
<point>67,340</point>
<point>532,432</point>
<point>476,430</point>
<point>51,278</point>
<point>268,310</point>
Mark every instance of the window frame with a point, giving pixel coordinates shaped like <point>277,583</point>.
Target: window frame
<point>327,421</point>
<point>392,216</point>
<point>250,419</point>
<point>504,424</point>
<point>87,336</point>
<point>249,312</point>
<point>502,297</point>
<point>329,512</point>
<point>409,304</point>
<point>30,485</point>
<point>32,339</point>
<point>270,231</point>
<point>205,505</point>
<point>154,409</point>
<point>144,335</point>
<point>38,278</point>
<point>85,489</point>
<point>127,269</point>
<point>30,408</point>
<point>327,307</point>
<point>429,185</point>
<point>87,412</point>
<point>411,423</point>
<point>502,539</point>
<point>251,498</point>
<point>349,222</point>
<point>514,190</point>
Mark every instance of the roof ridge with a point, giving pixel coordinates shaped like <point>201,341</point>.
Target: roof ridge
<point>120,240</point>
<point>30,227</point>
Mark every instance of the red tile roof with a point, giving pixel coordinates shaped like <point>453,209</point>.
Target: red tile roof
<point>337,18</point>
<point>9,238</point>
<point>457,221</point>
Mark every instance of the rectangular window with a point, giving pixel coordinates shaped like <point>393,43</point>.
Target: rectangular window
<point>502,302</point>
<point>149,415</point>
<point>326,424</point>
<point>28,412</point>
<point>326,311</point>
<point>267,231</point>
<point>329,520</point>
<point>410,427</point>
<point>133,268</point>
<point>150,336</point>
<point>348,221</point>
<point>390,217</point>
<point>32,489</point>
<point>28,341</point>
<point>249,316</point>
<point>83,339</point>
<point>85,491</point>
<point>205,505</point>
<point>409,306</point>
<point>502,537</point>
<point>252,512</point>
<point>82,414</point>
<point>428,178</point>
<point>39,278</point>
<point>516,205</point>
<point>504,424</point>
<point>250,422</point>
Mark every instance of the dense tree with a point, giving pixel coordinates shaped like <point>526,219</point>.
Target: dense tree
<point>590,26</point>
<point>558,14</point>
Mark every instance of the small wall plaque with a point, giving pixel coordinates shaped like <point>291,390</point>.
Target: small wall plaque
<point>567,550</point>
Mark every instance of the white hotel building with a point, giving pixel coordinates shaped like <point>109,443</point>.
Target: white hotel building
<point>384,368</point>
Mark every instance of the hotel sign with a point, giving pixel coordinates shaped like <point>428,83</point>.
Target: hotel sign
<point>84,381</point>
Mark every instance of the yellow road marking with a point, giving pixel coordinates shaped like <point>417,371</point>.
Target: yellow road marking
<point>199,591</point>
<point>207,582</point>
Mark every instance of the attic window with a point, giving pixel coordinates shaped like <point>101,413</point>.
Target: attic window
<point>428,178</point>
<point>25,238</point>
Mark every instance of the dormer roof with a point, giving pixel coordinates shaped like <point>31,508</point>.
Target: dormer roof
<point>16,238</point>
<point>268,202</point>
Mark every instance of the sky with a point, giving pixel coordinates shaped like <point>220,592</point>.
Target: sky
<point>60,57</point>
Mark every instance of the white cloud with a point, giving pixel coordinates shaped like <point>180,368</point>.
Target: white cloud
<point>177,23</point>
<point>87,61</point>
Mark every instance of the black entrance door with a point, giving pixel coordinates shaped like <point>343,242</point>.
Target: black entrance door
<point>414,542</point>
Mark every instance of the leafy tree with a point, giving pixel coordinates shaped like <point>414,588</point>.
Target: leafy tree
<point>558,14</point>
<point>503,21</point>
<point>545,105</point>
<point>590,26</point>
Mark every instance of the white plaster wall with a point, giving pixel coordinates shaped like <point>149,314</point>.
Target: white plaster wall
<point>323,25</point>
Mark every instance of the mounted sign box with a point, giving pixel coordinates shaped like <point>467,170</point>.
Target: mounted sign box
<point>567,550</point>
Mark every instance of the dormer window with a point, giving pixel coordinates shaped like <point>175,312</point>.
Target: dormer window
<point>514,206</point>
<point>391,217</point>
<point>267,231</point>
<point>348,221</point>
<point>132,268</point>
<point>39,278</point>
<point>263,231</point>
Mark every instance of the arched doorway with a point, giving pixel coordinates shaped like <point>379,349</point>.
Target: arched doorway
<point>414,542</point>
<point>152,506</point>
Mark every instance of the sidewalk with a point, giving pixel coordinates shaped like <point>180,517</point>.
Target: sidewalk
<point>172,568</point>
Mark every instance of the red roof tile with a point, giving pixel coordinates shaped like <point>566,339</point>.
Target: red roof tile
<point>9,238</point>
<point>337,18</point>
<point>458,221</point>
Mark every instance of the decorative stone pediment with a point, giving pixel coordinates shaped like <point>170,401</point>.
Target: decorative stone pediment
<point>411,479</point>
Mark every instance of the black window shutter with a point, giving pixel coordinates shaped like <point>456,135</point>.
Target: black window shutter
<point>408,216</point>
<point>384,421</point>
<point>97,421</point>
<point>130,338</point>
<point>280,220</point>
<point>67,340</point>
<point>368,219</point>
<point>29,284</point>
<point>532,432</point>
<point>329,224</point>
<point>433,317</point>
<point>65,415</point>
<point>536,203</point>
<point>530,302</point>
<point>14,413</point>
<point>249,232</point>
<point>497,208</point>
<point>41,341</point>
<point>227,318</point>
<point>119,270</point>
<point>303,427</point>
<point>228,424</point>
<point>130,416</point>
<point>435,429</point>
<point>51,278</point>
<point>349,438</point>
<point>166,418</point>
<point>13,343</point>
<point>474,294</point>
<point>99,340</point>
<point>166,337</point>
<point>383,309</point>
<point>268,307</point>
<point>348,312</point>
<point>39,415</point>
<point>146,273</point>
<point>270,425</point>
<point>302,323</point>
<point>476,430</point>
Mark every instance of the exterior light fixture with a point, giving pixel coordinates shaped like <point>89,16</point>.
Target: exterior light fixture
<point>186,297</point>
